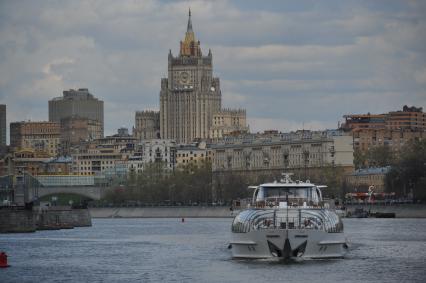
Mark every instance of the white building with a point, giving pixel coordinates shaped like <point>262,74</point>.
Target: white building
<point>153,151</point>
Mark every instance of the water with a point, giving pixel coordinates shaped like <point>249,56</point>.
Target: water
<point>166,250</point>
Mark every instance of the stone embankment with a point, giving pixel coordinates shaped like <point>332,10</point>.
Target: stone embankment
<point>401,211</point>
<point>162,212</point>
<point>63,218</point>
<point>17,220</point>
<point>20,220</point>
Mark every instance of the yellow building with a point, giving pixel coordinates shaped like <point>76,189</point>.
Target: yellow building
<point>196,155</point>
<point>228,121</point>
<point>41,137</point>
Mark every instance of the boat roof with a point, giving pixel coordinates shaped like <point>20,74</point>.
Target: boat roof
<point>296,184</point>
<point>287,182</point>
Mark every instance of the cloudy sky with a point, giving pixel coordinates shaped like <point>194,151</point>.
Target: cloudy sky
<point>291,64</point>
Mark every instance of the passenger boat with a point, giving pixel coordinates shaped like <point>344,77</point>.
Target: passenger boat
<point>288,219</point>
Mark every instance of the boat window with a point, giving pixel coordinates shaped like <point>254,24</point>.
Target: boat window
<point>270,192</point>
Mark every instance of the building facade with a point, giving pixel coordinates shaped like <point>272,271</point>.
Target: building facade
<point>228,121</point>
<point>104,156</point>
<point>362,179</point>
<point>75,130</point>
<point>41,137</point>
<point>80,103</point>
<point>196,155</point>
<point>2,125</point>
<point>410,118</point>
<point>366,139</point>
<point>190,95</point>
<point>147,125</point>
<point>393,130</point>
<point>27,161</point>
<point>159,151</point>
<point>304,153</point>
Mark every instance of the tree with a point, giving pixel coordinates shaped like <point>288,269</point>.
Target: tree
<point>408,173</point>
<point>360,159</point>
<point>333,177</point>
<point>380,156</point>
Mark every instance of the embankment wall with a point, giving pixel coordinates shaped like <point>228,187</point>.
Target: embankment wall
<point>17,221</point>
<point>161,212</point>
<point>401,211</point>
<point>63,218</point>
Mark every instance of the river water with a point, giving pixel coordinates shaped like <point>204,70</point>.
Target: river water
<point>166,250</point>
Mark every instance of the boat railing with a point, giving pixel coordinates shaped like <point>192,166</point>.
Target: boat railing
<point>316,219</point>
<point>271,202</point>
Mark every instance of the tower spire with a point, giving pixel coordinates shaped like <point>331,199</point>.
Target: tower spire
<point>190,46</point>
<point>189,28</point>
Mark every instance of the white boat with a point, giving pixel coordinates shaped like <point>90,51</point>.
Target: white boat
<point>288,219</point>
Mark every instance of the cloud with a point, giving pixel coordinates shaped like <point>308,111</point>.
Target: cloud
<point>289,63</point>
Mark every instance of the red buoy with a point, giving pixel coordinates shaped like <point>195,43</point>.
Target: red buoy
<point>3,260</point>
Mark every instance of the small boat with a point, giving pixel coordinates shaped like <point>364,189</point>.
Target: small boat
<point>358,213</point>
<point>287,219</point>
<point>384,214</point>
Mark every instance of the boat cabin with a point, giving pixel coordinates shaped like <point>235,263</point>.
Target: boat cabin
<point>287,193</point>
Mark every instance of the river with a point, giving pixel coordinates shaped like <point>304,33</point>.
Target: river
<point>167,250</point>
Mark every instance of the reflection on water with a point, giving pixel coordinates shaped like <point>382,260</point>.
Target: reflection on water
<point>152,250</point>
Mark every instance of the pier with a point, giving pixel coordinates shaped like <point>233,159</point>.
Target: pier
<point>22,220</point>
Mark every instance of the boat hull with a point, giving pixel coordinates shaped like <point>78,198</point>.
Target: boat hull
<point>304,243</point>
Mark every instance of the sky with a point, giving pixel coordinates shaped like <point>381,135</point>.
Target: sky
<point>290,64</point>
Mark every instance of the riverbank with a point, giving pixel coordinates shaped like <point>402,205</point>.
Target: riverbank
<point>161,212</point>
<point>401,211</point>
<point>21,220</point>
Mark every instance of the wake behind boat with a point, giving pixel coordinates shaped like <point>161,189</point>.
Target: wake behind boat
<point>288,219</point>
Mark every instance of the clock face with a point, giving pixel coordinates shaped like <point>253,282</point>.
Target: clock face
<point>184,78</point>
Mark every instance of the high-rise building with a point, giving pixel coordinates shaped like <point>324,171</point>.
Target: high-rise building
<point>147,125</point>
<point>77,103</point>
<point>190,95</point>
<point>2,124</point>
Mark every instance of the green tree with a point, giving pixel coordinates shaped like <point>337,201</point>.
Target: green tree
<point>360,159</point>
<point>408,173</point>
<point>380,156</point>
<point>333,177</point>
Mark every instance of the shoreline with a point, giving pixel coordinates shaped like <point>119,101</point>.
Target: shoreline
<point>161,212</point>
<point>400,210</point>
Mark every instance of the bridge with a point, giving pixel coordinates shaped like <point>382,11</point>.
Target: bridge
<point>26,188</point>
<point>91,192</point>
<point>88,186</point>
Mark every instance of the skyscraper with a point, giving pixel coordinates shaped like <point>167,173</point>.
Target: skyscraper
<point>2,124</point>
<point>190,95</point>
<point>147,125</point>
<point>77,103</point>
